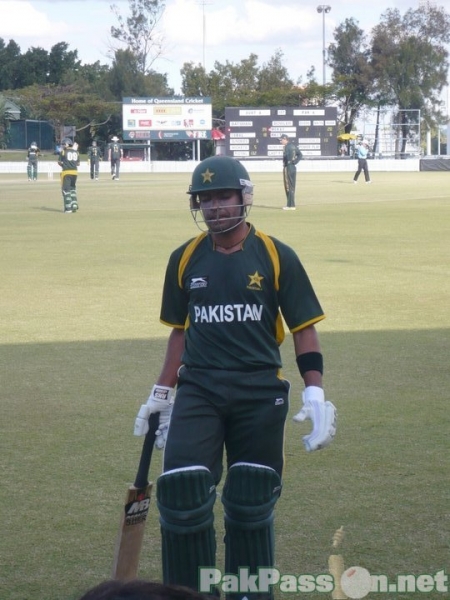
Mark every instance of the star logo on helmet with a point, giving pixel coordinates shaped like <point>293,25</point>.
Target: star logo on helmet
<point>207,176</point>
<point>255,281</point>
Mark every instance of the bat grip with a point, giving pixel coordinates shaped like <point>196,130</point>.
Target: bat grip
<point>147,449</point>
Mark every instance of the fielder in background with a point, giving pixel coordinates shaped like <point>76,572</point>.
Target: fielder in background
<point>94,160</point>
<point>115,155</point>
<point>362,152</point>
<point>68,160</point>
<point>291,158</point>
<point>224,296</point>
<point>32,166</point>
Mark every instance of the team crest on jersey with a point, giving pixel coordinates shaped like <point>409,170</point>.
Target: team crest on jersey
<point>255,281</point>
<point>198,282</point>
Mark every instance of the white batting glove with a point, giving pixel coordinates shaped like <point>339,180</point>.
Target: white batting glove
<point>163,427</point>
<point>159,400</point>
<point>323,416</point>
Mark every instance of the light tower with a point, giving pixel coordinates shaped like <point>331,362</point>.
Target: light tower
<point>324,9</point>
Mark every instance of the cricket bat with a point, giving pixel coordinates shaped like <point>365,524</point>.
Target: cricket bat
<point>137,503</point>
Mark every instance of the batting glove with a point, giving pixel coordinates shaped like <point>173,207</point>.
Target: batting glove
<point>159,400</point>
<point>323,416</point>
<point>163,428</point>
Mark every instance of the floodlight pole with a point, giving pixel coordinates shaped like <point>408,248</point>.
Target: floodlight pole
<point>203,3</point>
<point>324,9</point>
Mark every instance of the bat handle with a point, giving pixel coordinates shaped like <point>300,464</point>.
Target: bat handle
<point>147,450</point>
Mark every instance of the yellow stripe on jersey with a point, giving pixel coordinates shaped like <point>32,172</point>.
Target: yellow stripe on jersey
<point>274,257</point>
<point>307,324</point>
<point>188,252</point>
<point>270,246</point>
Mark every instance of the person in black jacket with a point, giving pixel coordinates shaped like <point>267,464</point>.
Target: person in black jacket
<point>291,157</point>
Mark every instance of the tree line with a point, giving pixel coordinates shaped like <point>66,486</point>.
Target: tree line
<point>402,63</point>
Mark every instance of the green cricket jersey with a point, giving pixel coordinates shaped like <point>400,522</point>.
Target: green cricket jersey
<point>291,154</point>
<point>68,160</point>
<point>115,150</point>
<point>93,153</point>
<point>230,305</point>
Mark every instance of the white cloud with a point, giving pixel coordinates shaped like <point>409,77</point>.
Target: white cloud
<point>232,31</point>
<point>252,21</point>
<point>22,19</point>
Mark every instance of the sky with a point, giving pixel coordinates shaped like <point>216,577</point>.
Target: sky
<point>198,31</point>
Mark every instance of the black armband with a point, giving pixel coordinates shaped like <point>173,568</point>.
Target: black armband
<point>310,361</point>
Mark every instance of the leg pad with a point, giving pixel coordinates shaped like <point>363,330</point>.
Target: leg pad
<point>185,500</point>
<point>249,496</point>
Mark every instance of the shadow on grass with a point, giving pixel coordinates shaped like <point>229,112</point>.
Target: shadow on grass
<point>68,411</point>
<point>47,209</point>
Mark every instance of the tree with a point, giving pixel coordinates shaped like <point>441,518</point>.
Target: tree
<point>194,80</point>
<point>274,75</point>
<point>5,117</point>
<point>410,63</point>
<point>36,65</point>
<point>9,64</point>
<point>244,83</point>
<point>64,105</point>
<point>33,68</point>
<point>126,79</point>
<point>60,61</point>
<point>139,31</point>
<point>349,57</point>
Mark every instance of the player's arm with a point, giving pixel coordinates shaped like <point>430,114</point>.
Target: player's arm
<point>172,359</point>
<point>306,344</point>
<point>291,157</point>
<point>174,310</point>
<point>161,397</point>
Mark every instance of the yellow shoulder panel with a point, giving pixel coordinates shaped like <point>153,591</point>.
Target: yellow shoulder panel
<point>188,251</point>
<point>269,243</point>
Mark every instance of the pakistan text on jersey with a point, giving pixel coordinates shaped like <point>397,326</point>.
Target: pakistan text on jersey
<point>227,313</point>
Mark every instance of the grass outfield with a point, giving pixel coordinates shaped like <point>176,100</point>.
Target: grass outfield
<point>81,346</point>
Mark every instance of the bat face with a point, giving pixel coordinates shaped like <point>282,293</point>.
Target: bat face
<point>137,504</point>
<point>136,509</point>
<point>131,533</point>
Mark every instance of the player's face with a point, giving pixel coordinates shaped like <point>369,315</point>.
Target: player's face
<point>222,210</point>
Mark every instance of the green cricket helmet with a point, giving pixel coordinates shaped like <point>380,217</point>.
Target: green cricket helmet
<point>221,173</point>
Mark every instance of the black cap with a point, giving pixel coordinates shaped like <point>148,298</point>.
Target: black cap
<point>283,137</point>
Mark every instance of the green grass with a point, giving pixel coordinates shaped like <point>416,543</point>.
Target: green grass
<point>81,346</point>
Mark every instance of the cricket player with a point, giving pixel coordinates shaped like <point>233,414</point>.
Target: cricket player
<point>362,152</point>
<point>32,166</point>
<point>68,160</point>
<point>224,296</point>
<point>115,155</point>
<point>94,160</point>
<point>291,157</point>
